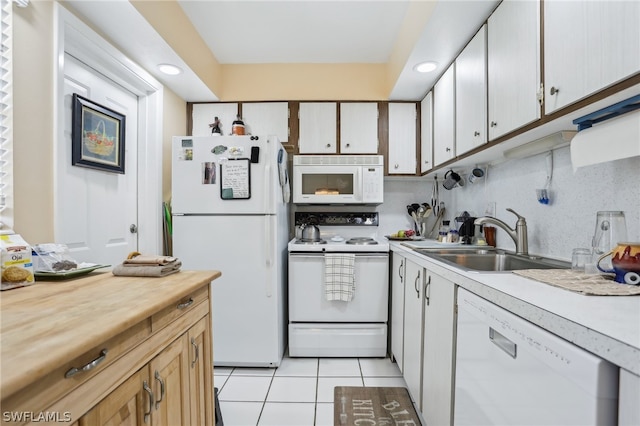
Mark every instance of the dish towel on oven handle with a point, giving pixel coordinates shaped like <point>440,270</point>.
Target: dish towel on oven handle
<point>340,278</point>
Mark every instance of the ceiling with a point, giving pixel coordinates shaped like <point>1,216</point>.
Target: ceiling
<point>290,32</point>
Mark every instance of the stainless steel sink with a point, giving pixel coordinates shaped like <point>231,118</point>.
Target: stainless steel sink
<point>483,260</point>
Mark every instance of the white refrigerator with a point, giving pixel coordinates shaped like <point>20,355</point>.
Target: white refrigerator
<point>230,197</point>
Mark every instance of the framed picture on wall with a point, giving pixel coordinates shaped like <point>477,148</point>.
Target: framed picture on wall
<point>97,137</point>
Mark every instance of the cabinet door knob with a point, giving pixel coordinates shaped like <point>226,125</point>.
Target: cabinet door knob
<point>476,133</point>
<point>553,90</point>
<point>348,145</point>
<point>396,166</point>
<point>328,145</point>
<point>426,161</point>
<point>493,124</point>
<point>448,149</point>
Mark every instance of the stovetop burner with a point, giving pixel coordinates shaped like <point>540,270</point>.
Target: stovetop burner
<point>362,241</point>
<point>301,241</point>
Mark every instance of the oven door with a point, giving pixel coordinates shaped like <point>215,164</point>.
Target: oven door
<point>327,184</point>
<point>307,301</point>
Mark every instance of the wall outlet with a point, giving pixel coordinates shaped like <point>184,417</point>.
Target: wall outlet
<point>490,209</point>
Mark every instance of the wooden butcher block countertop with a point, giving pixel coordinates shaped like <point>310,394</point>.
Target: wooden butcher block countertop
<point>47,324</point>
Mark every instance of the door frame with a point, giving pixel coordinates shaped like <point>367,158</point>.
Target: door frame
<point>73,36</point>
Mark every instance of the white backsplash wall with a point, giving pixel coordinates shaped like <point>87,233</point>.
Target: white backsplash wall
<point>569,221</point>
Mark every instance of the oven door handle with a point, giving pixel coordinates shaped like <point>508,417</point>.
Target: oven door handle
<point>358,255</point>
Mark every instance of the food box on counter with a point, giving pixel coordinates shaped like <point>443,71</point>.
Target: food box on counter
<point>15,262</point>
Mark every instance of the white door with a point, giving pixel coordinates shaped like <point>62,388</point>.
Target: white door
<point>402,138</point>
<point>397,307</point>
<point>267,119</point>
<point>412,371</point>
<point>205,114</point>
<point>437,347</point>
<point>359,128</point>
<point>95,210</point>
<point>588,45</point>
<point>471,94</point>
<point>248,299</point>
<point>426,133</point>
<point>444,116</point>
<point>513,63</point>
<point>317,122</point>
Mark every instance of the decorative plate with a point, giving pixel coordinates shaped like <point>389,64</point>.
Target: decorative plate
<point>65,275</point>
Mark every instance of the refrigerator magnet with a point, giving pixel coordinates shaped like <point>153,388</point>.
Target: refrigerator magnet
<point>218,149</point>
<point>208,173</point>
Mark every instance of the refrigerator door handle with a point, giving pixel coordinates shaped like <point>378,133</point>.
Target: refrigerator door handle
<point>267,250</point>
<point>268,185</point>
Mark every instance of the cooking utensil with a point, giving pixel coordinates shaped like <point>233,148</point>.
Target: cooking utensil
<point>439,216</point>
<point>310,232</point>
<point>435,196</point>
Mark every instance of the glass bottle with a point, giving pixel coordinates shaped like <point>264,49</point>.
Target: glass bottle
<point>444,231</point>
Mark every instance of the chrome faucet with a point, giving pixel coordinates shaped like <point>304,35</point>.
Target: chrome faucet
<point>519,235</point>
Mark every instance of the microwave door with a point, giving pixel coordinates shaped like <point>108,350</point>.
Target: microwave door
<point>329,184</point>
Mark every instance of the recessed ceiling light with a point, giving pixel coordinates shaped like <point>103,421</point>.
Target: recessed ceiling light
<point>426,66</point>
<point>169,69</point>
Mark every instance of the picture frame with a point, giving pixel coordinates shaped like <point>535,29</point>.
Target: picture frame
<point>97,136</point>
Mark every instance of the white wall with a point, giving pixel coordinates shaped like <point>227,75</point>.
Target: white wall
<point>555,229</point>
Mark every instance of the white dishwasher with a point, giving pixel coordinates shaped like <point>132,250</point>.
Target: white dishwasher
<point>512,372</point>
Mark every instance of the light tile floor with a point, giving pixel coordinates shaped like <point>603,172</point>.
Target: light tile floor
<point>299,392</point>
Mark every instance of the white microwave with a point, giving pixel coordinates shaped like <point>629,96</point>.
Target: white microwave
<point>338,179</point>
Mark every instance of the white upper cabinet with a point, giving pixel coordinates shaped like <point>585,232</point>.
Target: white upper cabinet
<point>426,133</point>
<point>359,128</point>
<point>513,66</point>
<point>318,128</point>
<point>444,113</point>
<point>402,138</point>
<point>471,94</point>
<point>204,114</point>
<point>266,119</point>
<point>588,45</point>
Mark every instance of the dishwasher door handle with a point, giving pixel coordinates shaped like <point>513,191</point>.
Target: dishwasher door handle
<point>503,343</point>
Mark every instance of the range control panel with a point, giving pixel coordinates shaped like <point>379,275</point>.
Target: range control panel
<point>337,219</point>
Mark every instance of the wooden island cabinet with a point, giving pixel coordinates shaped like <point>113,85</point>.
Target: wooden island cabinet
<point>106,350</point>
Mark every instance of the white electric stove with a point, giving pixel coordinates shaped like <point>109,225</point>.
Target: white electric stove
<point>334,328</point>
<point>341,232</point>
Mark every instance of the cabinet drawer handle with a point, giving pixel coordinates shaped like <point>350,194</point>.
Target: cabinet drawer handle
<point>503,343</point>
<point>415,285</point>
<point>147,389</point>
<point>158,378</point>
<point>90,366</point>
<point>186,304</point>
<point>197,349</point>
<point>400,270</point>
<point>553,91</point>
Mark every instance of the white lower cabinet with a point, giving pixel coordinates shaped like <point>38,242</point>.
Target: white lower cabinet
<point>423,331</point>
<point>397,308</point>
<point>438,354</point>
<point>628,407</point>
<point>412,364</point>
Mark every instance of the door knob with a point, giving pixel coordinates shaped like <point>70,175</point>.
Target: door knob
<point>133,228</point>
